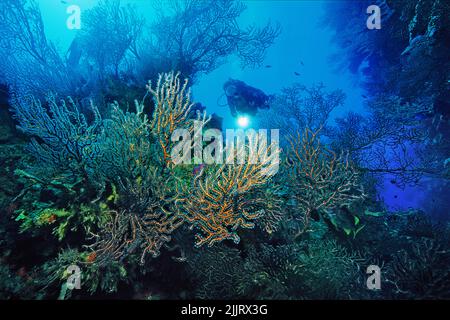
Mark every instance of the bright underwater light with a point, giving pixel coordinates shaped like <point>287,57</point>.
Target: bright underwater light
<point>243,121</point>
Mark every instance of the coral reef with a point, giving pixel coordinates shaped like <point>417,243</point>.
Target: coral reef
<point>147,213</point>
<point>209,32</point>
<point>146,204</point>
<point>406,137</point>
<point>172,107</point>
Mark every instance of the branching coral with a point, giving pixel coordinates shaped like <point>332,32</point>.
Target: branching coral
<point>145,222</point>
<point>270,272</point>
<point>198,35</point>
<point>272,213</point>
<point>298,107</point>
<point>63,140</point>
<point>172,107</point>
<point>127,145</point>
<point>125,232</point>
<point>218,271</point>
<point>392,141</point>
<point>422,272</point>
<point>320,179</point>
<point>328,270</point>
<point>227,198</point>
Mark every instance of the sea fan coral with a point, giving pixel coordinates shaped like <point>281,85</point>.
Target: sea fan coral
<point>421,272</point>
<point>125,232</point>
<point>63,139</point>
<point>148,213</point>
<point>225,199</point>
<point>172,107</point>
<point>320,179</point>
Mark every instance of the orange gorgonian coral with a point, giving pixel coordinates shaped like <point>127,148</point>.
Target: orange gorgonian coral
<point>144,226</point>
<point>225,199</point>
<point>220,199</point>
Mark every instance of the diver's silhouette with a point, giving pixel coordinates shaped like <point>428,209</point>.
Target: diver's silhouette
<point>244,99</point>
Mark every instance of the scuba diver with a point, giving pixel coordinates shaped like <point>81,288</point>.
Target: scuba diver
<point>244,99</point>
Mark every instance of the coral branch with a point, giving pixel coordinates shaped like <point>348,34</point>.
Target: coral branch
<point>321,180</point>
<point>172,107</point>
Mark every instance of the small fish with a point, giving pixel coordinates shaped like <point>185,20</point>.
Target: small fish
<point>396,196</point>
<point>296,73</point>
<point>63,2</point>
<point>364,96</point>
<point>268,66</point>
<point>181,258</point>
<point>301,62</point>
